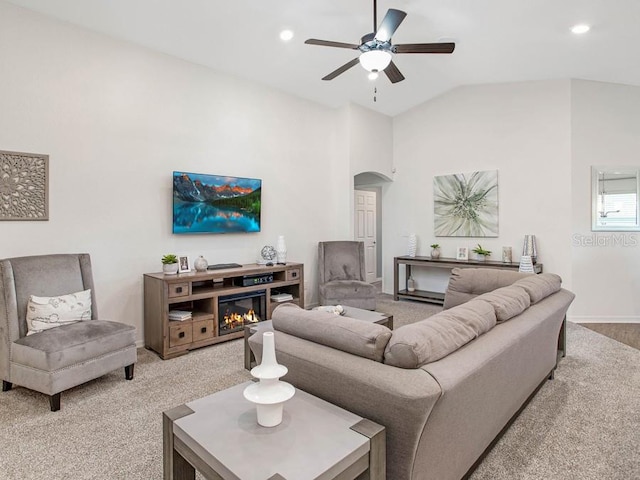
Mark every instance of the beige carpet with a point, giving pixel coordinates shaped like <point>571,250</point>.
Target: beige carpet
<point>582,425</point>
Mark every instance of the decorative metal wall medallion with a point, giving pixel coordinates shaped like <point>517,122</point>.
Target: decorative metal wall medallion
<point>24,186</point>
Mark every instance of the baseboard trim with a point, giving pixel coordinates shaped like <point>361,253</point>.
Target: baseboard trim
<point>602,319</point>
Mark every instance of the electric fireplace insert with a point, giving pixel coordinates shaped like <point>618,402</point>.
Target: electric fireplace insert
<point>236,311</point>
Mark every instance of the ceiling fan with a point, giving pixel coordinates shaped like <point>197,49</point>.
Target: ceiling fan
<point>377,50</point>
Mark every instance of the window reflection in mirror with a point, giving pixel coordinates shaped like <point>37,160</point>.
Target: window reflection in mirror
<point>614,196</point>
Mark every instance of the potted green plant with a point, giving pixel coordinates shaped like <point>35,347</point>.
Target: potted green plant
<point>170,264</point>
<point>481,252</point>
<point>435,250</point>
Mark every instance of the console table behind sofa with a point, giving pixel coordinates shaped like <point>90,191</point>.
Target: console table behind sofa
<point>448,263</point>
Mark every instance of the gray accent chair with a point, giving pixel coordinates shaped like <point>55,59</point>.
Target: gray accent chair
<point>60,358</point>
<point>342,275</point>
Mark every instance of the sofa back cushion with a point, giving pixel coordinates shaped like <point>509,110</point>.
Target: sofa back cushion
<point>468,283</point>
<point>507,301</point>
<point>540,286</point>
<point>358,337</point>
<point>416,344</point>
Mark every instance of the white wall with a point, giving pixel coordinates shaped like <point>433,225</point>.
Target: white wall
<point>370,141</point>
<point>520,129</point>
<point>543,138</point>
<point>371,161</point>
<point>606,266</point>
<point>116,120</point>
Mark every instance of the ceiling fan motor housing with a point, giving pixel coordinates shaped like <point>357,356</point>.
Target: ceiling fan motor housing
<point>368,43</point>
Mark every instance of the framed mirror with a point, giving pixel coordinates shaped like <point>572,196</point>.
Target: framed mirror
<point>614,199</point>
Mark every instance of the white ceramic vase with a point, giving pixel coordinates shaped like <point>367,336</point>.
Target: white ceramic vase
<point>435,253</point>
<point>269,394</point>
<point>281,250</point>
<point>201,264</point>
<point>412,245</point>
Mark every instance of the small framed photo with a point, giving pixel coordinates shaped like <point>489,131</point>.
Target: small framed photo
<point>183,264</point>
<point>462,253</point>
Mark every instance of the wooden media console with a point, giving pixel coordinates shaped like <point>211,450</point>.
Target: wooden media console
<point>203,294</point>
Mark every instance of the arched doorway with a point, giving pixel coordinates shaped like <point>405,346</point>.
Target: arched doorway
<point>368,221</point>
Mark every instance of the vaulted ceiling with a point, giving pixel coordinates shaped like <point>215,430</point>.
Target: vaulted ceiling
<point>496,41</point>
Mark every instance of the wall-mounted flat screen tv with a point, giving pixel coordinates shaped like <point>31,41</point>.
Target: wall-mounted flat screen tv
<point>215,204</point>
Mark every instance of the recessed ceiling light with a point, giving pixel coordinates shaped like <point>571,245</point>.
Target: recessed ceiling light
<point>286,35</point>
<point>579,29</point>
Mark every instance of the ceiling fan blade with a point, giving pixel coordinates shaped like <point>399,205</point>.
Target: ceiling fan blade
<point>424,48</point>
<point>389,24</point>
<point>393,73</point>
<point>342,69</point>
<point>328,43</point>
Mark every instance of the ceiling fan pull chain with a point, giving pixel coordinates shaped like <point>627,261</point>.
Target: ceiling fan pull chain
<point>375,90</point>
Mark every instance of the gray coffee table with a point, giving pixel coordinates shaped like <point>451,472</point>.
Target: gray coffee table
<point>219,436</point>
<point>266,326</point>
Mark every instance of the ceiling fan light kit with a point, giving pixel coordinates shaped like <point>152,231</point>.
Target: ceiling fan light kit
<point>376,49</point>
<point>375,60</point>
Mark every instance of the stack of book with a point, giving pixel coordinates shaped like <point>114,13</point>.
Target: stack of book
<point>281,297</point>
<point>179,315</point>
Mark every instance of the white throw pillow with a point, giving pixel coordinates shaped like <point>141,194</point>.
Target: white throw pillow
<point>49,312</point>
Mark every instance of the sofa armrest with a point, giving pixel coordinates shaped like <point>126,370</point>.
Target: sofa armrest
<point>486,382</point>
<point>399,399</point>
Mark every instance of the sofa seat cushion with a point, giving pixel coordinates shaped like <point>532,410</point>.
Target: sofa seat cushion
<point>507,301</point>
<point>351,335</point>
<point>540,286</point>
<point>417,344</point>
<point>339,289</point>
<point>68,345</point>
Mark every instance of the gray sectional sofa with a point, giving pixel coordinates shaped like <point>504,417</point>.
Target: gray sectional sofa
<point>444,387</point>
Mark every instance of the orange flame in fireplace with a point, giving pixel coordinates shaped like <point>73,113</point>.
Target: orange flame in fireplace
<point>235,320</point>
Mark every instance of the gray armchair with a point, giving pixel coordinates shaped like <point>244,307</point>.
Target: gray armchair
<point>60,358</point>
<point>342,275</point>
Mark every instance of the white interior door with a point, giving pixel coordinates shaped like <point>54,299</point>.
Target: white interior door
<point>365,230</point>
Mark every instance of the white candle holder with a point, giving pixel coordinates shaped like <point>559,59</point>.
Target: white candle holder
<point>530,248</point>
<point>526,264</point>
